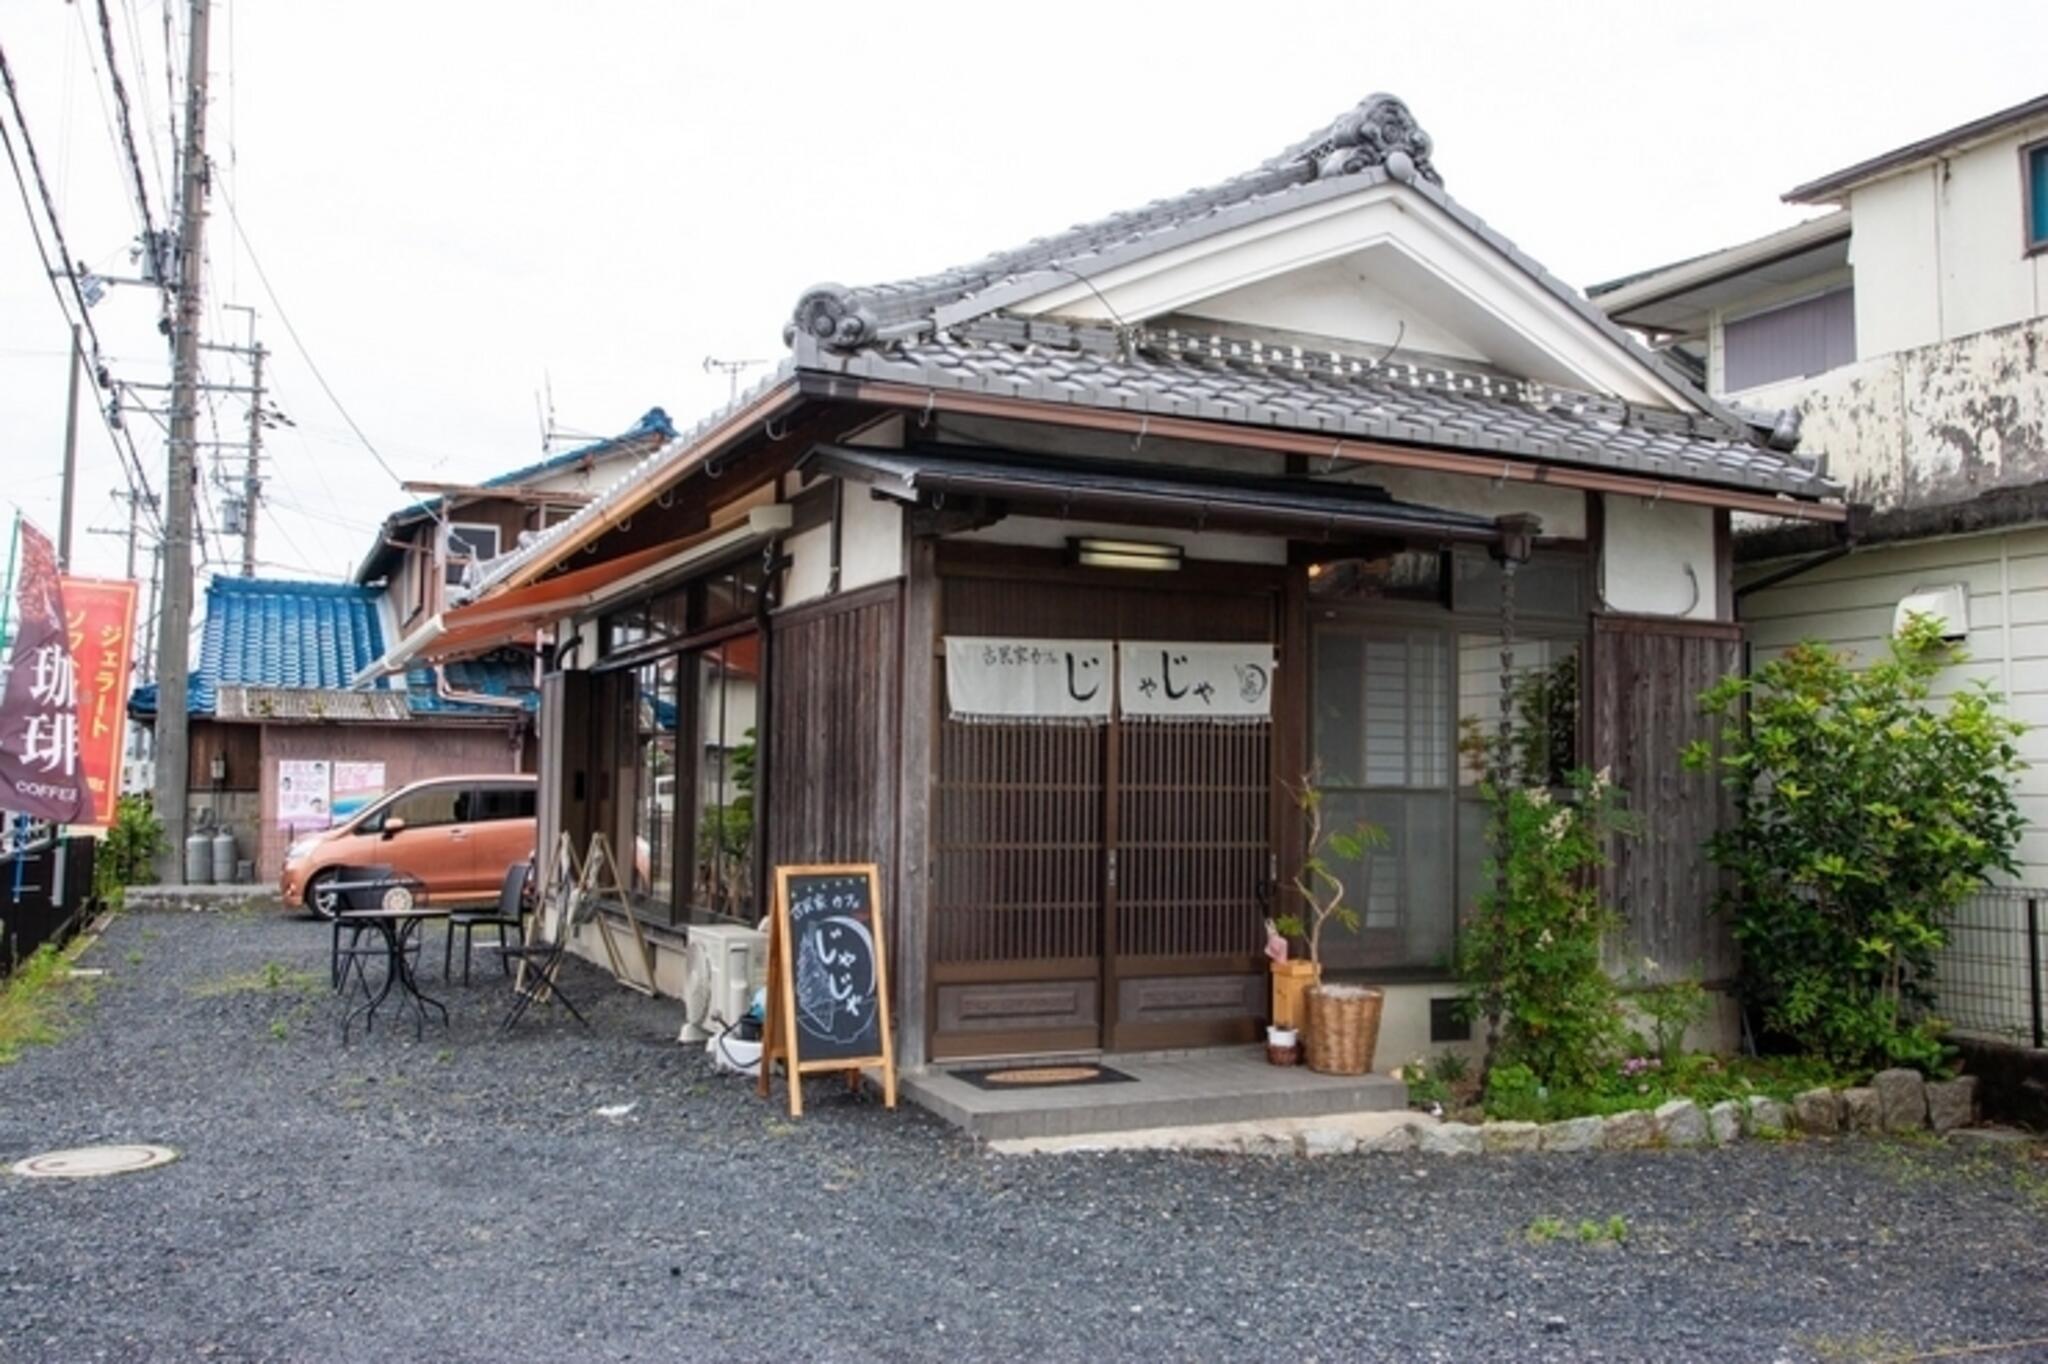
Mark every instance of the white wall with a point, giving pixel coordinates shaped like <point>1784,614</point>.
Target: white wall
<point>1850,603</point>
<point>1938,249</point>
<point>1658,558</point>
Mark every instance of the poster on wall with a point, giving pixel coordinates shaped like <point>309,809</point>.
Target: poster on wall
<point>99,617</point>
<point>1165,681</point>
<point>355,785</point>
<point>304,794</point>
<point>1056,680</point>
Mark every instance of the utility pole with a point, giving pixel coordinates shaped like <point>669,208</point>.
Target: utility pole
<point>174,625</point>
<point>70,453</point>
<point>252,478</point>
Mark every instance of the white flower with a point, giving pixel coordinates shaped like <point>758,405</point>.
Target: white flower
<point>1560,824</point>
<point>1539,796</point>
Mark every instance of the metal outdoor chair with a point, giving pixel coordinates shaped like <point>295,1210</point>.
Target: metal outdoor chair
<point>507,917</point>
<point>540,956</point>
<point>355,889</point>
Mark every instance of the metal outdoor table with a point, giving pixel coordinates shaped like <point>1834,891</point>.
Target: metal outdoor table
<point>396,925</point>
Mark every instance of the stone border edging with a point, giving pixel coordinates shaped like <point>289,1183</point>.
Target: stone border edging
<point>1894,1101</point>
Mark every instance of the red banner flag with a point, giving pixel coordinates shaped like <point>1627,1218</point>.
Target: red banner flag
<point>99,616</point>
<point>39,770</point>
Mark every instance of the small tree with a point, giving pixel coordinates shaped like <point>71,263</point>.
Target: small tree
<point>1321,889</point>
<point>1531,957</point>
<point>127,852</point>
<point>1867,809</point>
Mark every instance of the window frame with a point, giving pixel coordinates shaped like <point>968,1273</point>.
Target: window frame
<point>451,566</point>
<point>1366,614</point>
<point>2030,244</point>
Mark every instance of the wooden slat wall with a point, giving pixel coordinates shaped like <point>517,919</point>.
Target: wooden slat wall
<point>1645,683</point>
<point>832,740</point>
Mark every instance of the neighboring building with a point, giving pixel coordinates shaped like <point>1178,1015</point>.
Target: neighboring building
<point>270,703</point>
<point>1908,328</point>
<point>273,698</point>
<point>1040,582</point>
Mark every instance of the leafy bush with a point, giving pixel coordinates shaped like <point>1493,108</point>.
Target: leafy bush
<point>127,852</point>
<point>1514,1094</point>
<point>1867,809</point>
<point>1317,883</point>
<point>1531,958</point>
<point>1672,1007</point>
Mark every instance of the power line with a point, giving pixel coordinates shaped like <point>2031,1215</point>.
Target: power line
<point>152,245</point>
<point>263,278</point>
<point>132,467</point>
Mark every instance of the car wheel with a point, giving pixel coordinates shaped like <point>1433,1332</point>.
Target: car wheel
<point>321,897</point>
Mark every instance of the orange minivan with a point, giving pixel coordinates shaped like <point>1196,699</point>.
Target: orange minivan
<point>457,835</point>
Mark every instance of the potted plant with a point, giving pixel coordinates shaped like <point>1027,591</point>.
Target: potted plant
<point>1342,1021</point>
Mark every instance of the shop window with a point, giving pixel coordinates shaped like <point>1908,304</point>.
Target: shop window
<point>727,696</point>
<point>1543,708</point>
<point>652,874</point>
<point>1383,754</point>
<point>1409,575</point>
<point>1551,584</point>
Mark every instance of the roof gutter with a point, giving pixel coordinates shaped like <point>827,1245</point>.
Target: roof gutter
<point>1502,469</point>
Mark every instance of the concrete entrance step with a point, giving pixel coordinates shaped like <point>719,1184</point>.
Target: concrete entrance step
<point>1227,1085</point>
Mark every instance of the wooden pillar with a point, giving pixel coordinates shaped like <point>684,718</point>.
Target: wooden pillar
<point>916,724</point>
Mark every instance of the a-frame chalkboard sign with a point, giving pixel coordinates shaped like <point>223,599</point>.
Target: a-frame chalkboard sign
<point>828,979</point>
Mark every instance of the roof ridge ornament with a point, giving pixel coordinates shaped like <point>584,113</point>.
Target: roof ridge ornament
<point>830,314</point>
<point>1378,132</point>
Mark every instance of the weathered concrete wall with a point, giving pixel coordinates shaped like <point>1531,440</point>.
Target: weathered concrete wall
<point>1941,423</point>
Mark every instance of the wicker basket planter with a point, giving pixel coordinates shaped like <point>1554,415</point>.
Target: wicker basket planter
<point>1343,1028</point>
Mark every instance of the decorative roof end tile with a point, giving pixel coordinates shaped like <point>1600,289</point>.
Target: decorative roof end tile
<point>1379,133</point>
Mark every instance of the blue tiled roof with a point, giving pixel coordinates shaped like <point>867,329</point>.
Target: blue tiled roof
<point>268,632</point>
<point>508,673</point>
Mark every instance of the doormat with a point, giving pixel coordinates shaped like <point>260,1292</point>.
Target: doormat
<point>1042,1077</point>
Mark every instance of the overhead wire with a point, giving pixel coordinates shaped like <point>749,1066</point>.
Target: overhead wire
<point>132,466</point>
<point>263,277</point>
<point>152,244</point>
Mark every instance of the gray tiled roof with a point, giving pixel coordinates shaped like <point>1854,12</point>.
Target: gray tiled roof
<point>1179,375</point>
<point>915,327</point>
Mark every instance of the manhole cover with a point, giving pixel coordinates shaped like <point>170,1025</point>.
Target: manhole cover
<point>88,1161</point>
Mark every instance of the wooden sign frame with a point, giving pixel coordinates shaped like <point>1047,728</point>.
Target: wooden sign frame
<point>568,899</point>
<point>596,862</point>
<point>779,1031</point>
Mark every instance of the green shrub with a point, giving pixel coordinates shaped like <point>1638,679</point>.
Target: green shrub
<point>1867,809</point>
<point>1514,1094</point>
<point>1531,958</point>
<point>1672,1007</point>
<point>127,852</point>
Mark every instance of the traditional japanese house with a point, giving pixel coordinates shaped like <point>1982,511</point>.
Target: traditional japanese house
<point>1040,581</point>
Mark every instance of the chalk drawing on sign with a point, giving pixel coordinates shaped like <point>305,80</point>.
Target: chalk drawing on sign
<point>835,978</point>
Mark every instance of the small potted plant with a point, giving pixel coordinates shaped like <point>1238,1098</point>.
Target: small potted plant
<point>1291,978</point>
<point>1343,1021</point>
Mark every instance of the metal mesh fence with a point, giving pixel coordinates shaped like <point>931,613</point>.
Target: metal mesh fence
<point>1988,979</point>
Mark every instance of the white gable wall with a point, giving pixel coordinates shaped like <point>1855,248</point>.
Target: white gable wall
<point>1335,299</point>
<point>1436,274</point>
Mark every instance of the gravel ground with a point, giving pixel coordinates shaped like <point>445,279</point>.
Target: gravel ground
<point>461,1199</point>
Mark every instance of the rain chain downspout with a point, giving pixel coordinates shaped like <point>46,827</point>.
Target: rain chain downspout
<point>1517,537</point>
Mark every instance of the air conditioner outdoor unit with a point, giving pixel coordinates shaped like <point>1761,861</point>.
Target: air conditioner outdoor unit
<point>724,965</point>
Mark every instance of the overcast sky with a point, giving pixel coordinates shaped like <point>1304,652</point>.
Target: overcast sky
<point>456,203</point>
